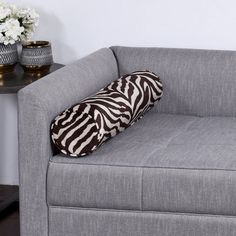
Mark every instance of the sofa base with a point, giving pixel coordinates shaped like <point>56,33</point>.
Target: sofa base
<point>94,222</point>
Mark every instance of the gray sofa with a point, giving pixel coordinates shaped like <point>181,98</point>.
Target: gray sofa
<point>171,174</point>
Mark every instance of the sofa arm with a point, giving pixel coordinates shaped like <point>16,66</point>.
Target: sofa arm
<point>39,103</point>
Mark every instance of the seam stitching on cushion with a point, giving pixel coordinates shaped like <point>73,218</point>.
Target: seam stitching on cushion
<point>147,167</point>
<point>47,202</point>
<point>143,212</point>
<point>142,170</point>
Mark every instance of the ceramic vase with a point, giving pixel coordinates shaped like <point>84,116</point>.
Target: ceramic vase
<point>8,57</point>
<point>36,56</point>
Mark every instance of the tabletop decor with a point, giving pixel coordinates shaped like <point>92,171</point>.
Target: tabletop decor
<point>36,56</point>
<point>16,25</point>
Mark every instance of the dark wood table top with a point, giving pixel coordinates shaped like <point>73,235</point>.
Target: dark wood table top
<point>14,81</point>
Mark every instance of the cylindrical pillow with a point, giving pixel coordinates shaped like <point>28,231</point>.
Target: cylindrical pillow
<point>84,127</point>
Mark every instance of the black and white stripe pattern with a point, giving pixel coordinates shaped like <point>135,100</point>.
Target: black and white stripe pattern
<point>82,128</point>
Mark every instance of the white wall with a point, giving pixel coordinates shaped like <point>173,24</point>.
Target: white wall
<point>8,139</point>
<point>78,27</point>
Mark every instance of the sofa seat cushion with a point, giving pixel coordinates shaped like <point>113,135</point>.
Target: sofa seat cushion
<point>166,163</point>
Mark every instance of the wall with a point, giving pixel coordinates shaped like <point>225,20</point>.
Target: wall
<point>8,139</point>
<point>78,27</point>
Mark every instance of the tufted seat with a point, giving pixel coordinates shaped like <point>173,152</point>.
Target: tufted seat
<point>142,168</point>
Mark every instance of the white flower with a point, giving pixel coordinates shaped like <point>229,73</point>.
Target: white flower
<point>16,24</point>
<point>28,16</point>
<point>13,9</point>
<point>4,12</point>
<point>13,29</point>
<point>1,38</point>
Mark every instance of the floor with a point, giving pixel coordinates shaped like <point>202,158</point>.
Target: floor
<point>9,214</point>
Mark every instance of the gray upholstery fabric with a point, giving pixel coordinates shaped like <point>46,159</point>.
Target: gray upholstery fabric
<point>39,103</point>
<point>196,82</point>
<point>153,132</point>
<point>193,191</point>
<point>172,163</point>
<point>94,186</point>
<point>184,164</point>
<point>104,185</point>
<point>89,222</point>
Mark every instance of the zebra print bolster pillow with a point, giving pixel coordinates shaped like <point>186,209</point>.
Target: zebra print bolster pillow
<point>81,129</point>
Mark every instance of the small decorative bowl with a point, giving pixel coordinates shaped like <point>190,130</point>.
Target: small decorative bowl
<point>36,56</point>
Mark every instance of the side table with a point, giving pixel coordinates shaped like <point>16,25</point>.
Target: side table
<point>14,81</point>
<point>10,83</point>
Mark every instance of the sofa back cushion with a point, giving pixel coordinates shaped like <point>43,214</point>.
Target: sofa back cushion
<point>196,82</point>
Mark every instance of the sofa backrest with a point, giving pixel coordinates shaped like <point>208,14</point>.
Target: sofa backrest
<point>196,82</point>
